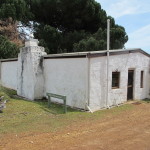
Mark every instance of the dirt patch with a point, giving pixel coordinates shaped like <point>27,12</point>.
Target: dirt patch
<point>136,103</point>
<point>128,130</point>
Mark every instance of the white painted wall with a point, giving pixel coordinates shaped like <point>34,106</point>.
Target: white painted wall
<point>98,84</point>
<point>9,74</point>
<point>33,78</point>
<point>98,78</point>
<point>30,82</point>
<point>67,77</point>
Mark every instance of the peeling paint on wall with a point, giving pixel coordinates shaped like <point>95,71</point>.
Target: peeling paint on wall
<point>30,72</point>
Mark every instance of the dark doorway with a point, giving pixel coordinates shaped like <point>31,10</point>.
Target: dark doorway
<point>130,84</point>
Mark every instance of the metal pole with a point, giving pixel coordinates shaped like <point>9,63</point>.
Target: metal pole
<point>108,46</point>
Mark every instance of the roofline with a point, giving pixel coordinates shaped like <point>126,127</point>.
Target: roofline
<point>91,54</point>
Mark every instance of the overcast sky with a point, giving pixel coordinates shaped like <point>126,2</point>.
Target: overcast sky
<point>134,15</point>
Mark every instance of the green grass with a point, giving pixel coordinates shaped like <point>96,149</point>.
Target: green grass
<point>35,116</point>
<point>8,93</point>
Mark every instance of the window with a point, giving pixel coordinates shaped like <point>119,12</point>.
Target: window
<point>115,80</point>
<point>142,74</point>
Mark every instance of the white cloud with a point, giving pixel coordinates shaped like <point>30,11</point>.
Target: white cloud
<point>140,38</point>
<point>118,8</point>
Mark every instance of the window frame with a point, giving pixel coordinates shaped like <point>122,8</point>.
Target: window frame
<point>116,87</point>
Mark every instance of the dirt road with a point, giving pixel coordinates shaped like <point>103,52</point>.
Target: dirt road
<point>128,130</point>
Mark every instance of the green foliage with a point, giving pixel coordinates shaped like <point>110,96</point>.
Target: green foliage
<point>81,25</point>
<point>118,37</point>
<point>68,39</point>
<point>50,38</point>
<point>86,45</point>
<point>98,41</point>
<point>7,48</point>
<point>67,15</point>
<point>56,41</point>
<point>16,9</point>
<point>64,25</point>
<point>7,93</point>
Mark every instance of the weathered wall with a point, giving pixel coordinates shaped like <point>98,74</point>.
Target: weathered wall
<point>67,77</point>
<point>120,63</point>
<point>9,74</point>
<point>83,80</point>
<point>30,82</point>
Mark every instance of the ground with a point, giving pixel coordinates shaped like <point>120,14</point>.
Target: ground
<point>32,126</point>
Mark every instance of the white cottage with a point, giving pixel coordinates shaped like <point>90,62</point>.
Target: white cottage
<point>82,77</point>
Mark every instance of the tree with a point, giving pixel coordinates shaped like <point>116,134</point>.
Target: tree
<point>118,37</point>
<point>12,12</point>
<point>65,25</point>
<point>78,22</point>
<point>8,28</point>
<point>98,41</point>
<point>49,37</point>
<point>67,15</point>
<point>69,38</point>
<point>14,15</point>
<point>19,10</point>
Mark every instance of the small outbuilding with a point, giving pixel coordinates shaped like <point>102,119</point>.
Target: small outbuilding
<point>82,77</point>
<point>85,78</point>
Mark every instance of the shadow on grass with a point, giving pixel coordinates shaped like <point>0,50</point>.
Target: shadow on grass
<point>146,100</point>
<point>55,108</point>
<point>7,92</point>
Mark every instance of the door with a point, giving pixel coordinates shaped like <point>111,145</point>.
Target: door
<point>130,84</point>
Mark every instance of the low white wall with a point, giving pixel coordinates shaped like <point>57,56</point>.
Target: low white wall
<point>9,74</point>
<point>33,78</point>
<point>67,76</point>
<point>120,63</point>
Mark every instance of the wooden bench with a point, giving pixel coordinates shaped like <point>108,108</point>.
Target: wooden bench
<point>59,97</point>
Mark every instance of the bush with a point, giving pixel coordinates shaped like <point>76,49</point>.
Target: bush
<point>7,48</point>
